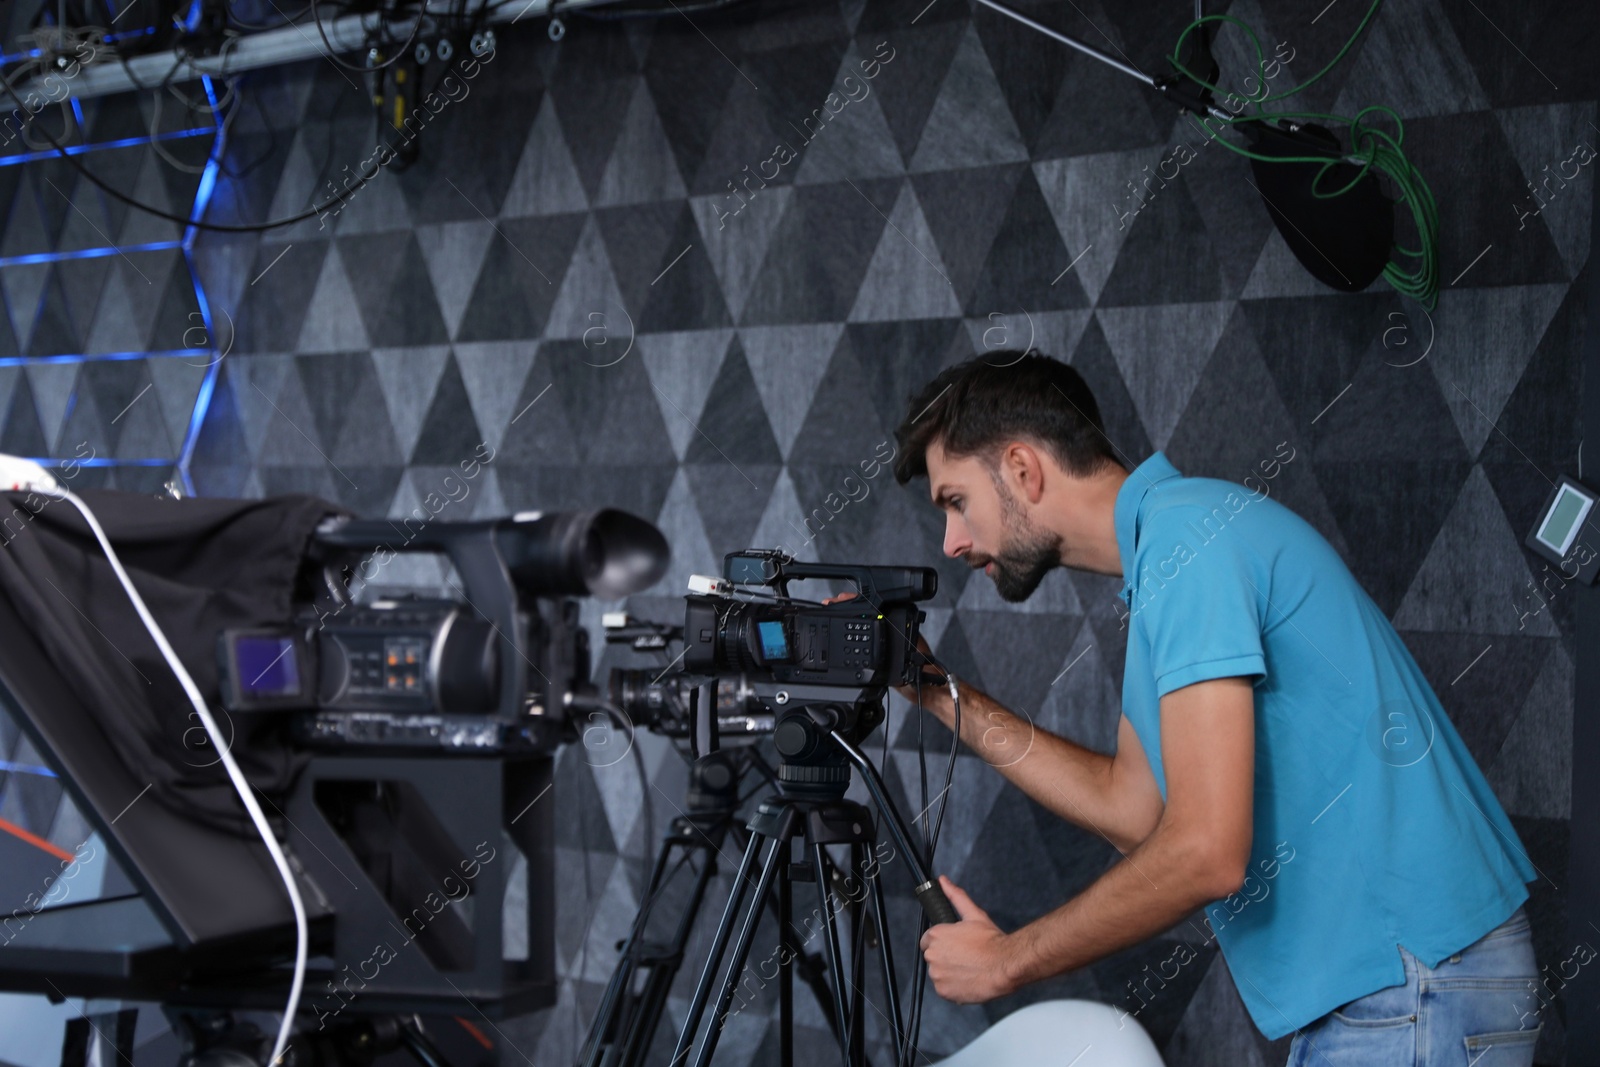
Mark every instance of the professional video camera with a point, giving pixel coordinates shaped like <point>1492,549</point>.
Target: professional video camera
<point>817,675</point>
<point>496,670</point>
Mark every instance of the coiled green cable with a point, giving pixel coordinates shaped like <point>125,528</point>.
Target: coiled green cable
<point>1376,148</point>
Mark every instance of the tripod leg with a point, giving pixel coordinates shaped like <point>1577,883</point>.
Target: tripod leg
<point>819,858</point>
<point>858,955</point>
<point>719,944</point>
<point>777,856</point>
<point>886,954</point>
<point>787,952</point>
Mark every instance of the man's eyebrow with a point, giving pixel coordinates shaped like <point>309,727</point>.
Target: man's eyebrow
<point>939,497</point>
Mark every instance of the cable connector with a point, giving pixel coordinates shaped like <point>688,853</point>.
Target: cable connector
<point>710,585</point>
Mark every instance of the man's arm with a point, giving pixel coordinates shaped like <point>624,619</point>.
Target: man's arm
<point>1113,796</point>
<point>1198,853</point>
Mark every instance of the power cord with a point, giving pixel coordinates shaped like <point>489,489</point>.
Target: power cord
<point>22,474</point>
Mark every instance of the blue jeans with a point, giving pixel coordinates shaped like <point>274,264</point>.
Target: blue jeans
<point>1478,1008</point>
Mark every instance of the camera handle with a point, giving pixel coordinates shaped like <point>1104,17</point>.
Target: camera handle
<point>930,894</point>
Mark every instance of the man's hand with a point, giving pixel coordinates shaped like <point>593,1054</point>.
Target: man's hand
<point>968,960</point>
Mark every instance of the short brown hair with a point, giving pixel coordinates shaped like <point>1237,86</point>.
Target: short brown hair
<point>974,407</point>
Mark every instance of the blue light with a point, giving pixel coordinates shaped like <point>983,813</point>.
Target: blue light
<point>98,461</point>
<point>96,357</point>
<point>26,768</point>
<point>80,149</point>
<point>87,253</point>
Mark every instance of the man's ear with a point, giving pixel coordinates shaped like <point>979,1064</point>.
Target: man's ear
<point>1023,469</point>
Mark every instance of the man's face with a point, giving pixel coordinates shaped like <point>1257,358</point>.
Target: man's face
<point>988,526</point>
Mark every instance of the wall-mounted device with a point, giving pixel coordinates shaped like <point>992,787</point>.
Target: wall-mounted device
<point>1557,533</point>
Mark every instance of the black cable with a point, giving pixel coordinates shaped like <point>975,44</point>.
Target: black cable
<point>117,194</point>
<point>316,14</point>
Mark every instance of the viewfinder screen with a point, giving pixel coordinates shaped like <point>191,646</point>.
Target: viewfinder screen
<point>267,666</point>
<point>774,643</point>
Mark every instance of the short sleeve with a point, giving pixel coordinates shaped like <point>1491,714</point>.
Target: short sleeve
<point>1198,590</point>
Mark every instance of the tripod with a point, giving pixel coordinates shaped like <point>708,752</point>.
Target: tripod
<point>810,807</point>
<point>635,997</point>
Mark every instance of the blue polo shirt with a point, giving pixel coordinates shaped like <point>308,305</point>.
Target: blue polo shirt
<point>1373,827</point>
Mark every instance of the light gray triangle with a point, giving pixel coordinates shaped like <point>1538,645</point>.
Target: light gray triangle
<point>147,283</point>
<point>589,288</point>
<point>782,523</point>
<point>1532,774</point>
<point>140,429</point>
<point>25,233</point>
<point>292,439</point>
<point>488,502</point>
<point>855,143</point>
<point>256,382</point>
<point>333,318</point>
<point>224,268</point>
<point>141,227</point>
<point>683,367</point>
<point>970,124</point>
<point>788,364</point>
<point>115,327</point>
<point>1161,351</point>
<point>1054,333</point>
<point>378,207</point>
<point>1055,596</point>
<point>177,385</point>
<point>1476,577</point>
<point>1091,201</point>
<point>298,190</point>
<point>52,385</point>
<point>679,521</point>
<point>1485,338</point>
<point>494,373</point>
<point>252,486</point>
<point>546,181</point>
<point>454,254</point>
<point>736,240</point>
<point>1410,60</point>
<point>83,229</point>
<point>642,167</point>
<point>408,378</point>
<point>906,278</point>
<point>1546,141</point>
<point>24,287</point>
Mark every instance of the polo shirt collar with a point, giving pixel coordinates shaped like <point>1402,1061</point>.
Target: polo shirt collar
<point>1125,512</point>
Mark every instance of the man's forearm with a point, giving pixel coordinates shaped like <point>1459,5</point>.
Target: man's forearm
<point>1150,891</point>
<point>1065,778</point>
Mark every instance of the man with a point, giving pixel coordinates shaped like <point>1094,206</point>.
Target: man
<point>1280,758</point>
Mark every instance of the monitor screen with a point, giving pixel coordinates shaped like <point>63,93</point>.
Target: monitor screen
<point>268,666</point>
<point>1560,527</point>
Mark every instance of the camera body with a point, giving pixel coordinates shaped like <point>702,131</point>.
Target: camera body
<point>496,670</point>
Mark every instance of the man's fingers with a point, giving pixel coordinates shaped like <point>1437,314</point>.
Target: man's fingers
<point>962,903</point>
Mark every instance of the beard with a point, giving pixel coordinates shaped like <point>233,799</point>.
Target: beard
<point>1027,554</point>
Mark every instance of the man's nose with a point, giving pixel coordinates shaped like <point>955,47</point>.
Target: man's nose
<point>956,540</point>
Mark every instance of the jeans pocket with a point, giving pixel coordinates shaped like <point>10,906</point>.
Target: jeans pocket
<point>1502,1048</point>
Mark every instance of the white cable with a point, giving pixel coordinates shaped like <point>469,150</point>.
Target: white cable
<point>22,474</point>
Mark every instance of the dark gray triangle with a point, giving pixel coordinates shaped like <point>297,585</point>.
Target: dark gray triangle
<point>685,294</point>
<point>494,374</point>
<point>615,405</point>
<point>393,290</point>
<point>898,359</point>
<point>1410,59</point>
<point>843,427</point>
<point>732,428</point>
<point>520,277</point>
<point>1389,412</point>
<point>1389,523</point>
<point>52,331</point>
<point>736,241</point>
<point>53,386</point>
<point>919,58</point>
<point>1161,351</point>
<point>1214,1021</point>
<point>1119,413</point>
<point>1532,771</point>
<point>1089,198</point>
<point>1491,679</point>
<point>290,282</point>
<point>642,165</point>
<point>855,142</point>
<point>689,95</point>
<point>454,254</point>
<point>787,364</point>
<point>540,431</point>
<point>638,241</point>
<point>116,325</point>
<point>1486,337</point>
<point>812,282</point>
<point>449,432</point>
<point>1237,226</point>
<point>1020,272</point>
<point>1167,254</point>
<point>22,435</point>
<point>177,386</point>
<point>591,110</point>
<point>1546,142</point>
<point>1341,328</point>
<point>964,209</point>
